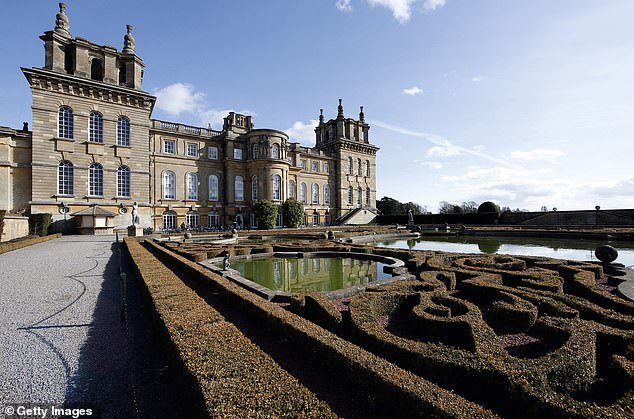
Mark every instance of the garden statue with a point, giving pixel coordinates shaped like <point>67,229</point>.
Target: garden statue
<point>135,213</point>
<point>410,217</point>
<point>225,262</point>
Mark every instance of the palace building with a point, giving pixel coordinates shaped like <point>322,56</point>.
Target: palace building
<point>94,150</point>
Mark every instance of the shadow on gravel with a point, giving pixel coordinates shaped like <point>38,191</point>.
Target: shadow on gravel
<point>121,372</point>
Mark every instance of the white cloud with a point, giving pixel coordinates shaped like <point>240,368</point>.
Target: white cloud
<point>344,5</point>
<point>178,98</point>
<point>431,5</point>
<point>477,79</point>
<point>479,148</point>
<point>433,165</point>
<point>413,91</point>
<point>305,133</point>
<point>547,154</point>
<point>443,151</point>
<point>401,9</point>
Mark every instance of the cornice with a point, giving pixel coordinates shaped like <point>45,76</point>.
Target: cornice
<point>75,86</point>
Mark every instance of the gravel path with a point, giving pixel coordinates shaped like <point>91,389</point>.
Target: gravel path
<point>61,339</point>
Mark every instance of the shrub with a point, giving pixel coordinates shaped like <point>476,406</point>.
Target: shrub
<point>40,223</point>
<point>265,214</point>
<point>293,212</point>
<point>488,206</point>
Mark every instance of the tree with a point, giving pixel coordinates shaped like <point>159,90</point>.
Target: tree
<point>416,208</point>
<point>265,213</point>
<point>389,206</point>
<point>293,212</point>
<point>449,208</point>
<point>469,207</point>
<point>544,208</point>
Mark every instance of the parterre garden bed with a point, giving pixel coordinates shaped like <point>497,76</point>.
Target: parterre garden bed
<point>472,336</point>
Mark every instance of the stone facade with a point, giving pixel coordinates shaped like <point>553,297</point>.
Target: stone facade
<point>89,146</point>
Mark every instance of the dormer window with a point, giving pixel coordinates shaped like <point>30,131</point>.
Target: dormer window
<point>96,69</point>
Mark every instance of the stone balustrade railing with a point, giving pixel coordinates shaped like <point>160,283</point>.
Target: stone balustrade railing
<point>185,129</point>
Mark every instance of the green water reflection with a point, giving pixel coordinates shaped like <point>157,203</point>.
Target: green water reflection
<point>572,249</point>
<point>310,273</point>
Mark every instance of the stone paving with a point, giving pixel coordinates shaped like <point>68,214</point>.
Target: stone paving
<point>61,339</point>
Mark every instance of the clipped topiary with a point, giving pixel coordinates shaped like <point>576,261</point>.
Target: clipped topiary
<point>488,207</point>
<point>293,212</point>
<point>40,223</point>
<point>265,213</point>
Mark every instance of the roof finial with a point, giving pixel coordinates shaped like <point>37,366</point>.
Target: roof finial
<point>321,116</point>
<point>128,41</point>
<point>61,21</point>
<point>361,115</point>
<point>340,110</point>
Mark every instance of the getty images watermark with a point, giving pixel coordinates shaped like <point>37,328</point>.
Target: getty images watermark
<point>20,411</point>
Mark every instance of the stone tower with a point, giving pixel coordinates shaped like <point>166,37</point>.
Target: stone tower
<point>90,127</point>
<point>347,141</point>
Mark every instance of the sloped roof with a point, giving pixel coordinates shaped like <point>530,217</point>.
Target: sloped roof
<point>95,210</point>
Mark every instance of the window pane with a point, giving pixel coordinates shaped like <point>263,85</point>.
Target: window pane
<point>123,181</point>
<point>239,188</point>
<point>65,123</point>
<point>65,178</point>
<point>95,127</point>
<point>213,188</point>
<point>169,185</point>
<point>192,186</point>
<point>123,131</point>
<point>95,180</point>
<point>213,152</point>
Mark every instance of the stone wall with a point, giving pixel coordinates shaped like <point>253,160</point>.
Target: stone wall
<point>15,226</point>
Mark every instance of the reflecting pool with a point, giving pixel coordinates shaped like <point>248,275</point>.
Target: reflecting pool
<point>573,249</point>
<point>293,274</point>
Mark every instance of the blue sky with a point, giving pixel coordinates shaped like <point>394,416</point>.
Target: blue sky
<point>523,103</point>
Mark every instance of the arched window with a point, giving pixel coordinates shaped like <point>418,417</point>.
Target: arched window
<point>65,123</point>
<point>275,153</point>
<point>349,171</point>
<point>255,151</point>
<point>367,168</point>
<point>277,187</point>
<point>350,200</point>
<point>239,189</point>
<point>302,192</point>
<point>213,187</point>
<point>123,181</point>
<point>367,196</point>
<point>192,219</point>
<point>95,127</point>
<point>315,193</point>
<point>96,69</point>
<point>359,195</point>
<point>123,131</point>
<point>169,185</point>
<point>65,175</point>
<point>192,186</point>
<point>291,189</point>
<point>326,194</point>
<point>95,180</point>
<point>254,188</point>
<point>359,171</point>
<point>169,220</point>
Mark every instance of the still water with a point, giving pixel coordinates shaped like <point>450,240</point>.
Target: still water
<point>310,273</point>
<point>582,250</point>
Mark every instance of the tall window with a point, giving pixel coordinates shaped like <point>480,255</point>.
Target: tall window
<point>326,167</point>
<point>275,153</point>
<point>169,220</point>
<point>169,185</point>
<point>212,152</point>
<point>254,188</point>
<point>192,186</point>
<point>367,196</point>
<point>291,189</point>
<point>326,194</point>
<point>213,188</point>
<point>123,181</point>
<point>123,131</point>
<point>65,123</point>
<point>277,187</point>
<point>169,146</point>
<point>314,166</point>
<point>315,193</point>
<point>349,165</point>
<point>95,127</point>
<point>359,195</point>
<point>255,151</point>
<point>239,188</point>
<point>65,174</point>
<point>359,171</point>
<point>350,195</point>
<point>192,219</point>
<point>302,192</point>
<point>192,150</point>
<point>213,219</point>
<point>237,153</point>
<point>367,168</point>
<point>95,180</point>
